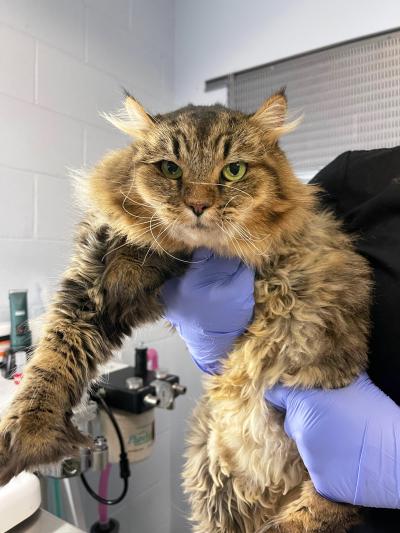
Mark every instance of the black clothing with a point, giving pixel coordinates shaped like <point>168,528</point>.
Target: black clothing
<point>363,189</point>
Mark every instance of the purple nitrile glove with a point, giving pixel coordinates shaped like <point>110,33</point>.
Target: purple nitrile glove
<point>210,306</point>
<point>349,440</point>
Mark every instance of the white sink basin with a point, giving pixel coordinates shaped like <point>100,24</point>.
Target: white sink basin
<point>19,499</point>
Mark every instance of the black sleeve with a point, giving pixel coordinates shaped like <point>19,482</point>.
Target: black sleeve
<point>363,189</point>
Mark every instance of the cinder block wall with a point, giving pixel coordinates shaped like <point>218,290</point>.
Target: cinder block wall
<point>61,62</point>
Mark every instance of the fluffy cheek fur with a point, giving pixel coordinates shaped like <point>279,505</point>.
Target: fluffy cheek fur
<point>155,189</point>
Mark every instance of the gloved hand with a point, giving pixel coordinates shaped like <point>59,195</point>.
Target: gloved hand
<point>210,306</point>
<point>349,440</point>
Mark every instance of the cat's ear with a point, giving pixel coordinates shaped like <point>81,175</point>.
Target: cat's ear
<point>132,119</point>
<point>272,115</point>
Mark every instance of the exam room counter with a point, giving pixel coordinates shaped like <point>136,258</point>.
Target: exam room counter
<point>43,522</point>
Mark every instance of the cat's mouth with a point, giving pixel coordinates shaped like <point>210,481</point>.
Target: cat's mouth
<point>203,222</point>
<point>199,224</point>
<point>197,231</point>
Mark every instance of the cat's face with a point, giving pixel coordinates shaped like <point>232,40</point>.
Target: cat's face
<point>209,176</point>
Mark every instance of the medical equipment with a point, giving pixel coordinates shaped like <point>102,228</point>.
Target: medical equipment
<point>119,414</point>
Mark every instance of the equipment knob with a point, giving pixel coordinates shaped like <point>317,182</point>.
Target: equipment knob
<point>134,383</point>
<point>179,389</point>
<point>161,373</point>
<point>151,400</point>
<point>99,454</point>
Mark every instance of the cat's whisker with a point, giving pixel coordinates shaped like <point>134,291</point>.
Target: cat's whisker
<point>147,230</point>
<point>129,212</point>
<point>246,239</point>
<point>127,197</point>
<point>227,203</point>
<point>114,249</point>
<point>242,255</point>
<point>145,257</point>
<point>227,233</point>
<point>132,214</point>
<point>171,255</point>
<point>240,230</point>
<point>246,230</point>
<point>164,231</point>
<point>127,243</point>
<point>236,241</point>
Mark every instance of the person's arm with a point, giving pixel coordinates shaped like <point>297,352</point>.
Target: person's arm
<point>348,438</point>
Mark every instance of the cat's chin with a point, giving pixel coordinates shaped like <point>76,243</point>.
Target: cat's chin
<point>198,235</point>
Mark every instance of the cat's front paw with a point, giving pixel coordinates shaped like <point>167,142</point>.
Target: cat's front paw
<point>31,437</point>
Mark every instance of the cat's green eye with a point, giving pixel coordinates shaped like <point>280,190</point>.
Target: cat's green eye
<point>234,171</point>
<point>171,170</point>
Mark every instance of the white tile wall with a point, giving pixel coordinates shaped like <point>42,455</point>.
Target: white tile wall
<point>99,141</point>
<point>55,212</point>
<point>33,138</point>
<point>60,23</point>
<point>17,210</point>
<point>123,55</point>
<point>32,264</point>
<point>17,68</point>
<point>68,86</point>
<point>119,11</point>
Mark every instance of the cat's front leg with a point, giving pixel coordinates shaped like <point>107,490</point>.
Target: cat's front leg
<point>102,296</point>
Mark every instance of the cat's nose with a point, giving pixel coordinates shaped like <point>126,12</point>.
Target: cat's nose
<point>198,208</point>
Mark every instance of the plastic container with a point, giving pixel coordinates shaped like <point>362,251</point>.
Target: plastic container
<point>137,432</point>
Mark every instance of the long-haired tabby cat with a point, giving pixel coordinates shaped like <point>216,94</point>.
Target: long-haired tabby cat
<point>205,176</point>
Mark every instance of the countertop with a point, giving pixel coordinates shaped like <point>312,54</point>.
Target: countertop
<point>44,522</point>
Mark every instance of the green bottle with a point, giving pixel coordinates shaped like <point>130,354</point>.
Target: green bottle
<point>21,338</point>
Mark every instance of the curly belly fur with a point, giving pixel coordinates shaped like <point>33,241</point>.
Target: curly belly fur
<point>251,445</point>
<point>240,465</point>
<point>234,483</point>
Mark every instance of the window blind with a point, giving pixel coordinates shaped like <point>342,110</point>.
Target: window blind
<point>349,95</point>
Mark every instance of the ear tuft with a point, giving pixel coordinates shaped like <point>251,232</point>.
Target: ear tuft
<point>126,93</point>
<point>272,114</point>
<point>132,118</point>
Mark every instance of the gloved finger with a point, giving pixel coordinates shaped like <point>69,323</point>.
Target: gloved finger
<point>217,268</point>
<point>244,276</point>
<point>168,291</point>
<point>169,288</point>
<point>200,256</point>
<point>278,396</point>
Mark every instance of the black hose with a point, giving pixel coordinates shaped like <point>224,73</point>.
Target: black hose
<point>124,469</point>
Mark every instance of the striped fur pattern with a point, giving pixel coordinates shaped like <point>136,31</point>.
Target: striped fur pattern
<point>310,327</point>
